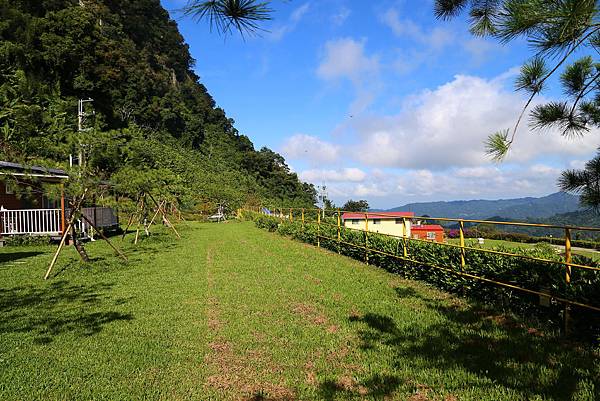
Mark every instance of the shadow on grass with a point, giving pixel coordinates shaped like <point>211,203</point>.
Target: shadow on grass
<point>49,311</point>
<point>485,350</point>
<point>14,256</point>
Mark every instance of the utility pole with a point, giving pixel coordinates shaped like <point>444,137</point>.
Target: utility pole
<point>322,195</point>
<point>83,125</point>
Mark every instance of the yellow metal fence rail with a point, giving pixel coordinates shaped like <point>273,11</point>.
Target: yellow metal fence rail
<point>289,214</point>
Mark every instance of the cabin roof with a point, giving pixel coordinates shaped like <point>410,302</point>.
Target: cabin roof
<point>428,227</point>
<point>378,216</point>
<point>53,174</point>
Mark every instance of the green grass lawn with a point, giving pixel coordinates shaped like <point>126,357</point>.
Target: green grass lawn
<point>233,312</point>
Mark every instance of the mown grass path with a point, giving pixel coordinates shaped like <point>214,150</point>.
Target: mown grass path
<point>233,312</point>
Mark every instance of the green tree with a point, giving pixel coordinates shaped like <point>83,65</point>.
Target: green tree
<point>157,128</point>
<point>585,182</point>
<point>556,30</point>
<point>356,206</point>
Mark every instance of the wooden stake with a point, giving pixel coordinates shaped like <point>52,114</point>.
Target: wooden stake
<point>60,246</point>
<point>129,223</point>
<point>121,254</point>
<point>155,214</point>
<point>131,216</point>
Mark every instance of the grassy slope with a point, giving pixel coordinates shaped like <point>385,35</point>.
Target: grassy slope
<point>231,310</point>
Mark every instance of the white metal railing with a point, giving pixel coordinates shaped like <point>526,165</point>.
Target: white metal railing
<point>48,221</point>
<point>30,221</point>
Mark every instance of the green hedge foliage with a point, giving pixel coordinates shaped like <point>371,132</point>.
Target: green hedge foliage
<point>521,272</point>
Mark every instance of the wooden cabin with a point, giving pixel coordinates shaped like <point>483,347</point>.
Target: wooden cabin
<point>26,209</point>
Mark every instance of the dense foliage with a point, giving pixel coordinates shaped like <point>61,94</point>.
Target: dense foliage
<point>356,206</point>
<point>427,258</point>
<point>585,182</point>
<point>155,124</point>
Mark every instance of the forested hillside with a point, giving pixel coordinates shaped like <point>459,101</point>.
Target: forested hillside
<point>153,116</point>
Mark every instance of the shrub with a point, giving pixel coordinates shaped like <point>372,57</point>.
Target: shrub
<point>26,240</point>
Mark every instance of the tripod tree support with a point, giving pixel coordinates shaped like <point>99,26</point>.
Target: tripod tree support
<point>156,214</point>
<point>121,254</point>
<point>165,216</point>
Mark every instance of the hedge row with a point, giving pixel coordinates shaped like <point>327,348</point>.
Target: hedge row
<point>520,237</point>
<point>532,275</point>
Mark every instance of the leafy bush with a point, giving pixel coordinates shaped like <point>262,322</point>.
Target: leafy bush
<point>26,240</point>
<point>439,264</point>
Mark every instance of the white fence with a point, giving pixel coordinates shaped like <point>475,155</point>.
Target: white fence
<point>48,221</point>
<point>31,221</point>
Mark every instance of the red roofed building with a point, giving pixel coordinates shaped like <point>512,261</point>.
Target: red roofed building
<point>428,232</point>
<point>399,224</point>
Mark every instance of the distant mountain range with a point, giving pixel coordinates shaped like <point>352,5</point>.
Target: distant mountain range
<point>514,209</point>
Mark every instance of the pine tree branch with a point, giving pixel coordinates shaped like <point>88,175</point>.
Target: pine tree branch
<point>548,75</point>
<point>584,92</point>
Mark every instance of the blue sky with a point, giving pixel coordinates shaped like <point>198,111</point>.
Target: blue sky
<point>381,101</point>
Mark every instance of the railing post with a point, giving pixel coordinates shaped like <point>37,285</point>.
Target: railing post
<point>404,236</point>
<point>367,238</point>
<point>303,218</point>
<point>461,225</point>
<point>63,218</point>
<point>339,230</point>
<point>319,229</point>
<point>567,307</point>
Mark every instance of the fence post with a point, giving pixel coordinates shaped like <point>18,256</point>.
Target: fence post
<point>339,229</point>
<point>461,225</point>
<point>303,218</point>
<point>291,215</point>
<point>367,238</point>
<point>404,236</point>
<point>319,229</point>
<point>567,307</point>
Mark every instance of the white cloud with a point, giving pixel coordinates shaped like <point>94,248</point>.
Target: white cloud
<point>346,58</point>
<point>365,190</point>
<point>435,39</point>
<point>394,188</point>
<point>343,175</point>
<point>446,128</point>
<point>310,148</point>
<point>577,164</point>
<point>477,172</point>
<point>279,32</point>
<point>341,16</point>
<point>298,13</point>
<point>428,43</point>
<point>545,170</point>
<point>481,182</point>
